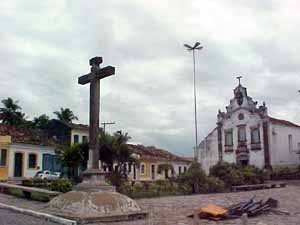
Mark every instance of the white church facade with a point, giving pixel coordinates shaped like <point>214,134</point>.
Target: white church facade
<point>246,134</point>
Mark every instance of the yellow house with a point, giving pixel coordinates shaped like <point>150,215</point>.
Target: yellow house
<point>156,164</point>
<point>4,156</point>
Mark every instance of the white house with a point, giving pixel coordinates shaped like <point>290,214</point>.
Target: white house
<point>23,152</point>
<point>246,134</point>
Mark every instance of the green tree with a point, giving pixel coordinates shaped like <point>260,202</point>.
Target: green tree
<point>41,122</point>
<point>194,179</point>
<point>73,157</point>
<point>11,113</point>
<point>65,114</point>
<point>115,151</point>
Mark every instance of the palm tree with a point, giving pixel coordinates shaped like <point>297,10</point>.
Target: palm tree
<point>72,157</point>
<point>65,115</point>
<point>11,112</point>
<point>41,122</point>
<point>115,151</point>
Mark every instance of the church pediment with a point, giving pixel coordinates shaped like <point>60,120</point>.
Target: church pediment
<point>241,101</point>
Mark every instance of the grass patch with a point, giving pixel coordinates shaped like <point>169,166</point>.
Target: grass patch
<point>34,195</point>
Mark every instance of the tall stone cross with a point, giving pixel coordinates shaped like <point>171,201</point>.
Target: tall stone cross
<point>239,78</point>
<point>94,78</point>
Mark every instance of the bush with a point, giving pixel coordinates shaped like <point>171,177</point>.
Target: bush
<point>116,179</point>
<point>163,188</point>
<point>61,185</point>
<point>193,180</point>
<point>252,175</point>
<point>214,184</point>
<point>232,174</point>
<point>228,173</point>
<point>27,183</point>
<point>36,182</point>
<point>282,173</point>
<point>156,189</point>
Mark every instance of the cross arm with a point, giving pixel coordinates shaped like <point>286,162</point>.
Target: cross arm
<point>97,74</point>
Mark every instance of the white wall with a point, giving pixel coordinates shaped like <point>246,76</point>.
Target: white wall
<point>80,134</point>
<point>256,157</point>
<point>26,149</point>
<point>281,155</point>
<point>209,155</point>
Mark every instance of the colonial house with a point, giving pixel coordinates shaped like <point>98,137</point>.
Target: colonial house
<point>156,164</point>
<point>246,134</point>
<point>23,152</point>
<point>67,133</point>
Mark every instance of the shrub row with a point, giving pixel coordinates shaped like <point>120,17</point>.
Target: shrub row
<point>232,174</point>
<point>61,185</point>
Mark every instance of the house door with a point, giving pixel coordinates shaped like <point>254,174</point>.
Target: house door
<point>152,172</point>
<point>18,165</point>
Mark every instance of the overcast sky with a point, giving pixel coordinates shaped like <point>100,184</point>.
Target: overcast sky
<point>46,45</point>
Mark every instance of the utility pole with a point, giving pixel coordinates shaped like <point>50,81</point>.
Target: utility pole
<point>190,48</point>
<point>106,123</point>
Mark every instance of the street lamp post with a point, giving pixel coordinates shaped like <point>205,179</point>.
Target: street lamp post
<point>190,48</point>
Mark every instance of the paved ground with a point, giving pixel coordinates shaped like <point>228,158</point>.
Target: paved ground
<point>173,210</point>
<point>8,217</point>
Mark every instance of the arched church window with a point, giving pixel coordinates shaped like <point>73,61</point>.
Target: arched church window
<point>228,138</point>
<point>255,136</point>
<point>242,134</point>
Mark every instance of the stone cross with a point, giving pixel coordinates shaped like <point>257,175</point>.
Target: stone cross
<point>94,78</point>
<point>239,78</point>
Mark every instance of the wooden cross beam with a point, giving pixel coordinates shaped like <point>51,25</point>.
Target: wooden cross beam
<point>96,72</point>
<point>94,78</point>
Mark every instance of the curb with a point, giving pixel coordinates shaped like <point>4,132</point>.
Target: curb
<point>40,215</point>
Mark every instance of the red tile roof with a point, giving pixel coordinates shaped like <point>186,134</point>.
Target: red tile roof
<point>26,136</point>
<point>153,153</point>
<point>283,122</point>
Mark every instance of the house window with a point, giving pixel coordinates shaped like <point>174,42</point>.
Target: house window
<point>142,168</point>
<point>242,134</point>
<point>228,138</point>
<point>255,137</point>
<point>76,139</point>
<point>184,169</point>
<point>84,139</point>
<point>32,161</point>
<point>3,157</point>
<point>290,142</point>
<point>179,170</point>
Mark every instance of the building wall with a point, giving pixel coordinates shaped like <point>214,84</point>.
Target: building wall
<point>80,134</point>
<point>5,144</point>
<point>27,149</point>
<point>208,154</point>
<point>250,119</point>
<point>280,153</point>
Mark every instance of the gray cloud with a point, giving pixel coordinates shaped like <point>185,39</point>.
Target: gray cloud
<point>46,45</point>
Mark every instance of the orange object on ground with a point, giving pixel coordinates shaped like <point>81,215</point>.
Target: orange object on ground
<point>214,210</point>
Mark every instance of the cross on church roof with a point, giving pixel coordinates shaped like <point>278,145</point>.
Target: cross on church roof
<point>239,78</point>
